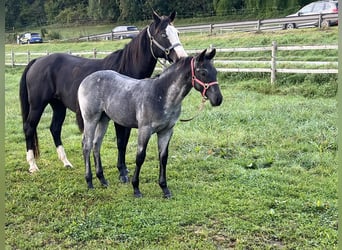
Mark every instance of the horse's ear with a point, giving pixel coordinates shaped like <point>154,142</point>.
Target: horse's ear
<point>172,16</point>
<point>201,56</point>
<point>156,17</point>
<point>211,54</point>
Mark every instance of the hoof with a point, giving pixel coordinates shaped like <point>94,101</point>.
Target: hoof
<point>68,166</point>
<point>124,179</point>
<point>33,169</point>
<point>90,187</point>
<point>167,195</point>
<point>104,184</point>
<point>138,195</point>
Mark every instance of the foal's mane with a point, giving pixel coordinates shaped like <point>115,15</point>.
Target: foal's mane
<point>177,66</point>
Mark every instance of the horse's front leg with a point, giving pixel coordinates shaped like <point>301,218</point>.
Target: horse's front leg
<point>143,138</point>
<point>122,135</point>
<point>59,112</point>
<point>163,149</point>
<point>99,134</point>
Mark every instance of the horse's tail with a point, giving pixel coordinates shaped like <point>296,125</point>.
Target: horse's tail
<point>79,118</point>
<point>25,106</point>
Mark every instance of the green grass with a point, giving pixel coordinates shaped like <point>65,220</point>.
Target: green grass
<point>258,172</point>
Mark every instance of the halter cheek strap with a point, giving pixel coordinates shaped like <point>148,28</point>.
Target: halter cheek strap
<point>195,79</point>
<point>155,42</point>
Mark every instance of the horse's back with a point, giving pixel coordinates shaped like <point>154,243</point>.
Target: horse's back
<point>115,94</point>
<point>58,76</point>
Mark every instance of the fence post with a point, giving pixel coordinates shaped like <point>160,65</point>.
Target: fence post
<point>273,62</point>
<point>95,52</point>
<point>12,57</point>
<point>258,26</point>
<point>28,57</point>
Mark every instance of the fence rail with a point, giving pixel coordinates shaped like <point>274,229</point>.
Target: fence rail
<point>272,66</point>
<point>255,25</point>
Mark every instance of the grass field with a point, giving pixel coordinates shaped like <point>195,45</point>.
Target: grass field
<point>258,172</point>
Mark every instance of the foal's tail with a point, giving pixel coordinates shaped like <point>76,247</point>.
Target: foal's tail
<point>79,118</point>
<point>25,106</point>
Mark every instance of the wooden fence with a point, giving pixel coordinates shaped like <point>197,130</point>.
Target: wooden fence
<point>245,26</point>
<point>271,66</point>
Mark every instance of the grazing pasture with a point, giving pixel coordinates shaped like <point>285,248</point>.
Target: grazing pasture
<point>258,172</point>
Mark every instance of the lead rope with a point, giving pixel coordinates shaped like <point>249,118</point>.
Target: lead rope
<point>200,108</point>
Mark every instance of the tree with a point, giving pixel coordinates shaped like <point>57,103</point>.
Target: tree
<point>103,10</point>
<point>130,10</point>
<point>227,7</point>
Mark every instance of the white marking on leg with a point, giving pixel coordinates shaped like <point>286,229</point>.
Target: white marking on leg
<point>62,156</point>
<point>31,161</point>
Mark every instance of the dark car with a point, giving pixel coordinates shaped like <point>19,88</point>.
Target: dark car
<point>314,8</point>
<point>30,38</point>
<point>122,32</point>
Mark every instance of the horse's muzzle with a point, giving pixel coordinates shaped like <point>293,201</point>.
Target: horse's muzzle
<point>216,101</point>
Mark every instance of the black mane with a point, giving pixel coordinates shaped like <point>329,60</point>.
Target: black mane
<point>121,59</point>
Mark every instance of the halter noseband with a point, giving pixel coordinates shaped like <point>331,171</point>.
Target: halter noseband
<point>195,79</point>
<point>155,42</point>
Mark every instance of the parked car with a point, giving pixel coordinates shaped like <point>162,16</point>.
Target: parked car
<point>30,38</point>
<point>314,8</point>
<point>122,32</point>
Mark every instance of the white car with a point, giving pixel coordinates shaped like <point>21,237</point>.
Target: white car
<point>315,8</point>
<point>122,32</point>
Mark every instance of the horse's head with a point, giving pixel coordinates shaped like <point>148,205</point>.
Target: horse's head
<point>164,38</point>
<point>204,77</point>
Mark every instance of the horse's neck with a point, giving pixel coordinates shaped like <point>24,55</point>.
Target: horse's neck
<point>135,60</point>
<point>177,80</point>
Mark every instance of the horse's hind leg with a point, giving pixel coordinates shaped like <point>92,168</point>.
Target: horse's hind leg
<point>30,131</point>
<point>163,148</point>
<point>99,134</point>
<point>59,112</point>
<point>122,136</point>
<point>143,138</point>
<point>87,144</point>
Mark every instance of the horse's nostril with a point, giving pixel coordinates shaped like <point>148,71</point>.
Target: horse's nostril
<point>217,102</point>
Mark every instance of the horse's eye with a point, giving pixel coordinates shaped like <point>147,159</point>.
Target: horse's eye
<point>164,35</point>
<point>203,72</point>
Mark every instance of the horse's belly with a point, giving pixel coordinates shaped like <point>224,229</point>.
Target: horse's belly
<point>120,114</point>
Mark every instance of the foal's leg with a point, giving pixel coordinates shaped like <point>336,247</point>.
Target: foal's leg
<point>87,144</point>
<point>143,138</point>
<point>99,134</point>
<point>59,112</point>
<point>163,148</point>
<point>122,136</point>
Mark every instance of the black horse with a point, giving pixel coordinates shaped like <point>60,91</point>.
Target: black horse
<point>54,80</point>
<point>151,105</point>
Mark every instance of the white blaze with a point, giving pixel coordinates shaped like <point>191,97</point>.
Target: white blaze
<point>172,34</point>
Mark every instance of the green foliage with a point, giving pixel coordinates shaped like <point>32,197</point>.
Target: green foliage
<point>22,14</point>
<point>54,35</point>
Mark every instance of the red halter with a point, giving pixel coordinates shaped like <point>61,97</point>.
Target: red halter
<point>195,79</point>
